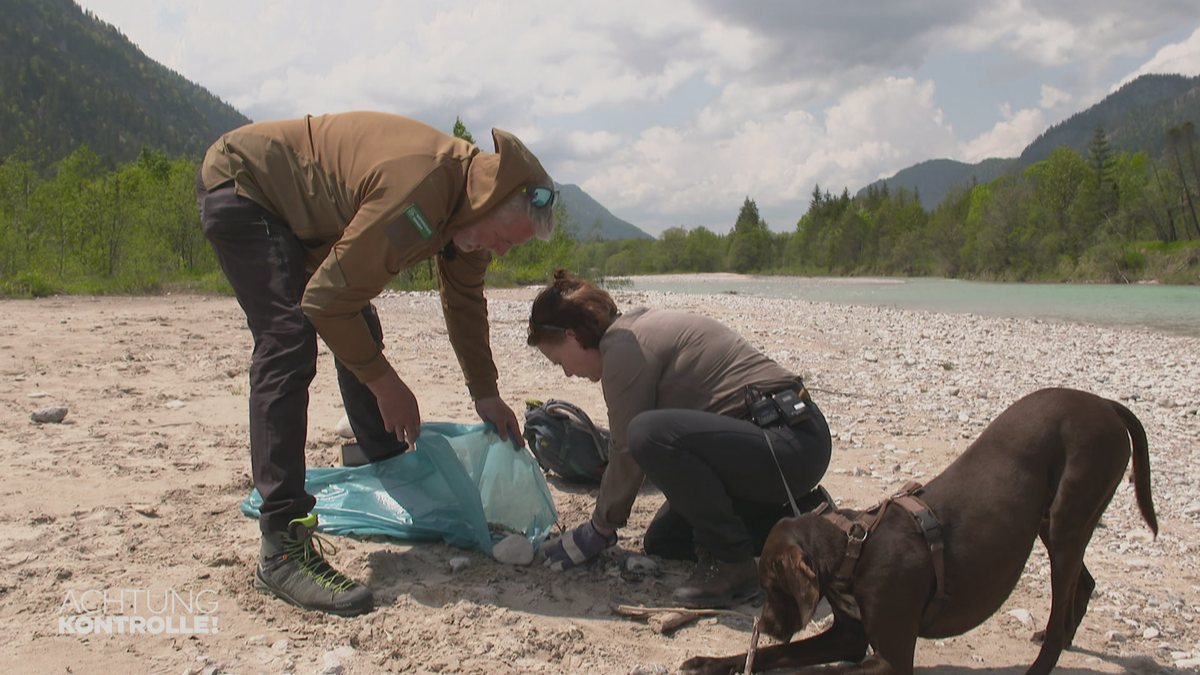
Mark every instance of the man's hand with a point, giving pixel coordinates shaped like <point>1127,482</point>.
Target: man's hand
<point>398,406</point>
<point>496,411</point>
<point>576,547</point>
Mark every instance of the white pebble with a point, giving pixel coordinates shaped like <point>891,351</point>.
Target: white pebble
<point>457,564</point>
<point>514,549</point>
<point>176,404</point>
<point>343,428</point>
<point>1023,616</point>
<point>636,563</point>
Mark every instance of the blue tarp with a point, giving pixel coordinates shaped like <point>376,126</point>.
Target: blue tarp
<point>457,481</point>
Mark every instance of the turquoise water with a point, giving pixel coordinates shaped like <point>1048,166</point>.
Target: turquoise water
<point>1168,309</point>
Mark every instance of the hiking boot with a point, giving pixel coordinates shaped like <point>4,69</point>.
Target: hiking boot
<point>715,583</point>
<point>815,500</point>
<point>292,566</point>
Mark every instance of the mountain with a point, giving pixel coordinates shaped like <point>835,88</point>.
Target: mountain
<point>68,78</point>
<point>1135,118</point>
<point>933,179</point>
<point>586,212</point>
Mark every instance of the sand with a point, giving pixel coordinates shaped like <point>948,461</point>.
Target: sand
<point>136,492</point>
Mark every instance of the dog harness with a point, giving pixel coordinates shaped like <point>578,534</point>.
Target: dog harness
<point>860,528</point>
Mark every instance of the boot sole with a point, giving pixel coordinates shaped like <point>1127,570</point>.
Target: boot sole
<point>261,586</point>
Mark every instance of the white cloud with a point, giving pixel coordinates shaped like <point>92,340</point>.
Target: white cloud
<point>1053,97</point>
<point>1008,138</point>
<point>675,110</point>
<point>1180,57</point>
<point>775,159</point>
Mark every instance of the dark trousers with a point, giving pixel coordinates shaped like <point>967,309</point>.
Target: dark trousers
<point>265,263</point>
<point>724,491</point>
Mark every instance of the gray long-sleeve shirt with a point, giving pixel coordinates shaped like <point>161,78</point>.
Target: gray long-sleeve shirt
<point>655,359</point>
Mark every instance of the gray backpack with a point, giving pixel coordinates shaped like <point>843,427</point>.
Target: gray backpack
<point>564,440</point>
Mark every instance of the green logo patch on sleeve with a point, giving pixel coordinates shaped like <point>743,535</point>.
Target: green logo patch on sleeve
<point>419,221</point>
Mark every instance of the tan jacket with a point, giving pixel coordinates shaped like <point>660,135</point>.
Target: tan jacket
<point>371,194</point>
<point>655,359</point>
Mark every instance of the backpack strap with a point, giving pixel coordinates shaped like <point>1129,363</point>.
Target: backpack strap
<point>564,409</point>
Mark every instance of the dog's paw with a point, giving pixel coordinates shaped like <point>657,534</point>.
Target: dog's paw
<point>709,665</point>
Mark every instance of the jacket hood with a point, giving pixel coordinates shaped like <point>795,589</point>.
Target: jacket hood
<point>491,178</point>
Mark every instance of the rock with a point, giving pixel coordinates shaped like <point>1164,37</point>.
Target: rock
<point>209,671</point>
<point>1187,663</point>
<point>650,669</point>
<point>459,563</point>
<point>640,563</point>
<point>38,394</point>
<point>1115,636</point>
<point>870,358</point>
<point>280,645</point>
<point>514,549</point>
<point>333,660</point>
<point>1151,633</point>
<point>51,415</point>
<point>176,404</point>
<point>258,639</point>
<point>964,417</point>
<point>1023,616</point>
<point>343,428</point>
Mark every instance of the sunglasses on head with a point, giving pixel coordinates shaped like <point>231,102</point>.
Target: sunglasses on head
<point>540,197</point>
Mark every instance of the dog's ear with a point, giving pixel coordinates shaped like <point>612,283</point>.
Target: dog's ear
<point>792,593</point>
<point>802,583</point>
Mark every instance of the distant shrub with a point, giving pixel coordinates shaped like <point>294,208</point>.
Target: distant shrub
<point>28,285</point>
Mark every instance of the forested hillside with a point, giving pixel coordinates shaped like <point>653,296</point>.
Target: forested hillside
<point>1135,118</point>
<point>68,79</point>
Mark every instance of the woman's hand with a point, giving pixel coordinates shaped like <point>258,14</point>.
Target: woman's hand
<point>576,547</point>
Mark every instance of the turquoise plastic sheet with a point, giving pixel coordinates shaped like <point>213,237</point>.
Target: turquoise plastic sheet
<point>461,484</point>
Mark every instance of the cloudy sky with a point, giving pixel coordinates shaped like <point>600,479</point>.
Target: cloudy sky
<point>671,112</point>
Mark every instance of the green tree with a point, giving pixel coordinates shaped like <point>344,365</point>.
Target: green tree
<point>749,241</point>
<point>1101,160</point>
<point>703,251</point>
<point>460,131</point>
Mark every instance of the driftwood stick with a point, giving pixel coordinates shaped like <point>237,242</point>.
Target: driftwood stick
<point>666,622</point>
<point>753,648</point>
<point>639,612</point>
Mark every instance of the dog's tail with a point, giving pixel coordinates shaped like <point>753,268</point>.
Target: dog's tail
<point>1141,465</point>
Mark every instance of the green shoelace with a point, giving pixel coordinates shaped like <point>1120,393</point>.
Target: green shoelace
<point>309,554</point>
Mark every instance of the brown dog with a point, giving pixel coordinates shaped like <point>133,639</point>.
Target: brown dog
<point>1048,466</point>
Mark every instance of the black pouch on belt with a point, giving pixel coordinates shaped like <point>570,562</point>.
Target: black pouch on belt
<point>792,407</point>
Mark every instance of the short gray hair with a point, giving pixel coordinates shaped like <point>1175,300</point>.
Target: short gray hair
<point>543,219</point>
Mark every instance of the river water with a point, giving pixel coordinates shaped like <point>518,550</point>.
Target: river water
<point>1167,309</point>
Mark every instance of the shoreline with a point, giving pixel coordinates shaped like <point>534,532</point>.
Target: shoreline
<point>1159,308</point>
